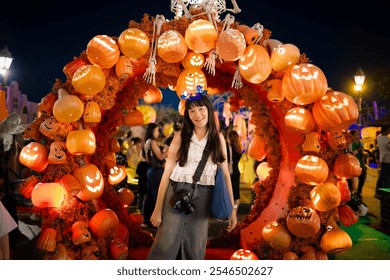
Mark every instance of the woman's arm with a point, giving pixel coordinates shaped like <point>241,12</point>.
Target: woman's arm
<point>156,150</point>
<point>170,163</point>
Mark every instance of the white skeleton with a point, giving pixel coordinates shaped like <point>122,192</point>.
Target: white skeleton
<point>9,127</point>
<point>150,73</point>
<point>180,7</point>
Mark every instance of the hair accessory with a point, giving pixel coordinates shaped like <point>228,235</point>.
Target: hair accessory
<point>199,93</point>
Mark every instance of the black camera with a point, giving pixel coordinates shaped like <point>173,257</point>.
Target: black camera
<point>181,201</point>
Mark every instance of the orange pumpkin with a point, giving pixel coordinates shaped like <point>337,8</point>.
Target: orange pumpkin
<point>300,120</point>
<point>230,44</point>
<point>57,153</point>
<point>92,113</point>
<point>311,170</point>
<point>90,253</point>
<point>133,42</point>
<point>133,118</point>
<point>34,156</point>
<point>91,181</point>
<point>335,111</point>
<point>67,108</point>
<point>325,196</point>
<point>60,253</point>
<point>244,254</point>
<point>81,142</point>
<point>126,196</point>
<point>53,129</point>
<point>171,46</point>
<point>47,195</point>
<point>193,60</point>
<point>124,67</point>
<point>116,174</point>
<point>153,95</point>
<point>113,145</point>
<point>275,93</point>
<point>251,35</point>
<point>312,142</point>
<point>335,240</point>
<point>89,80</point>
<point>347,216</point>
<point>80,233</point>
<point>70,184</point>
<point>303,222</point>
<point>103,51</point>
<point>343,187</point>
<point>47,240</point>
<point>346,166</point>
<point>71,67</point>
<point>276,235</point>
<point>284,56</point>
<point>257,148</point>
<point>201,36</point>
<point>303,84</point>
<point>46,104</point>
<point>104,223</point>
<point>118,249</point>
<point>336,140</point>
<point>188,80</point>
<point>255,64</point>
<point>27,185</point>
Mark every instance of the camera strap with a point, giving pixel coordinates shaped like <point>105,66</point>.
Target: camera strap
<point>201,165</point>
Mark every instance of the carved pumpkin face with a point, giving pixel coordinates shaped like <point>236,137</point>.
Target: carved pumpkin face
<point>91,182</point>
<point>230,44</point>
<point>336,140</point>
<point>103,51</point>
<point>311,170</point>
<point>80,142</point>
<point>243,254</point>
<point>299,119</point>
<point>201,36</point>
<point>118,249</point>
<point>346,166</point>
<point>53,129</point>
<point>34,156</point>
<point>80,233</point>
<point>325,196</point>
<point>171,46</point>
<point>46,104</point>
<point>117,173</point>
<point>57,153</point>
<point>133,42</point>
<point>89,80</point>
<point>90,253</point>
<point>255,64</point>
<point>193,60</point>
<point>124,67</point>
<point>303,222</point>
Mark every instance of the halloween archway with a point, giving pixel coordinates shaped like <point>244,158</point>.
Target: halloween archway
<point>299,126</point>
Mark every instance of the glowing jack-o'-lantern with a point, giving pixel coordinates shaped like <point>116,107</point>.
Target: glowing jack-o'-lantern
<point>335,111</point>
<point>116,174</point>
<point>193,60</point>
<point>133,42</point>
<point>92,112</point>
<point>79,142</point>
<point>244,254</point>
<point>171,46</point>
<point>47,240</point>
<point>91,181</point>
<point>188,81</point>
<point>201,36</point>
<point>104,223</point>
<point>284,56</point>
<point>230,44</point>
<point>276,235</point>
<point>275,93</point>
<point>57,153</point>
<point>80,233</point>
<point>124,67</point>
<point>53,129</point>
<point>299,119</point>
<point>312,142</point>
<point>103,51</point>
<point>325,196</point>
<point>255,64</point>
<point>26,186</point>
<point>336,140</point>
<point>346,166</point>
<point>303,222</point>
<point>71,67</point>
<point>303,84</point>
<point>311,170</point>
<point>47,195</point>
<point>34,156</point>
<point>89,80</point>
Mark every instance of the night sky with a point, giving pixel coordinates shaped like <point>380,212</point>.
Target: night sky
<point>45,35</point>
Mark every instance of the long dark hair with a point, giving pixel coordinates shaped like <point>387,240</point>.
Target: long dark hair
<point>213,143</point>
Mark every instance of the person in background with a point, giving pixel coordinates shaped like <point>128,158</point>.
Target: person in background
<point>183,235</point>
<point>176,129</point>
<point>7,224</point>
<point>134,155</point>
<point>356,148</point>
<point>155,158</point>
<point>383,141</point>
<point>236,153</point>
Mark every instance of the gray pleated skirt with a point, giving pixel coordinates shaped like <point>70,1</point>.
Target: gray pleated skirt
<point>180,234</point>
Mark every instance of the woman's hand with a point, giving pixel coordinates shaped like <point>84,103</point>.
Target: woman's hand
<point>155,219</point>
<point>232,220</point>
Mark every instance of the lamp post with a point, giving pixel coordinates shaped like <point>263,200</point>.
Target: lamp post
<point>5,63</point>
<point>359,81</point>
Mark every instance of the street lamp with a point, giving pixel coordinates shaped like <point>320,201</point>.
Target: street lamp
<point>359,81</point>
<point>5,63</point>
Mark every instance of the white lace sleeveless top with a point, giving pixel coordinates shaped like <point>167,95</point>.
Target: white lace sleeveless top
<point>185,173</point>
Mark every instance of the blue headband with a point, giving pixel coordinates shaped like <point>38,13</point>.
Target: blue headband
<point>199,93</point>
